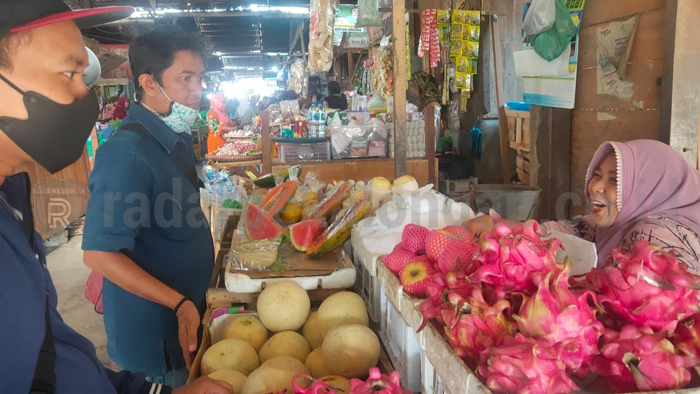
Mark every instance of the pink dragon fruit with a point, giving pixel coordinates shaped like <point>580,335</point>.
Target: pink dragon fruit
<point>458,257</point>
<point>378,383</point>
<point>515,260</point>
<point>645,287</point>
<point>413,238</point>
<point>556,316</point>
<point>686,338</point>
<point>438,289</point>
<point>639,359</point>
<point>472,325</point>
<point>524,365</point>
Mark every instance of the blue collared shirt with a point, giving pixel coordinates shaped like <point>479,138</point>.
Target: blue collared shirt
<point>142,204</point>
<point>25,284</point>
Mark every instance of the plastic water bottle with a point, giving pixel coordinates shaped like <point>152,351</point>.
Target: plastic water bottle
<point>209,173</point>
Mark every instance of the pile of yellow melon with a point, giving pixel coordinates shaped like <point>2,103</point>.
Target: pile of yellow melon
<point>333,344</point>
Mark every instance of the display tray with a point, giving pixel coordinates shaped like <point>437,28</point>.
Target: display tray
<point>215,320</point>
<point>333,271</point>
<point>232,158</point>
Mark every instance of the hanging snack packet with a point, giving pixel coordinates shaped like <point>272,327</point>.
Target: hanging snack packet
<point>463,64</point>
<point>456,32</point>
<point>435,56</point>
<point>443,17</point>
<point>472,33</point>
<point>461,80</point>
<point>473,17</point>
<point>474,62</point>
<point>456,48</point>
<point>459,17</point>
<point>444,33</point>
<point>472,49</point>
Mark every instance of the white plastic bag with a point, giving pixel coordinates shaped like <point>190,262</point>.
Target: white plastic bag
<point>540,17</point>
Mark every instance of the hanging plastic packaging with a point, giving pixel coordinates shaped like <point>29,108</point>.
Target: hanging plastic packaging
<point>321,26</point>
<point>551,43</point>
<point>368,13</point>
<point>476,140</point>
<point>540,17</point>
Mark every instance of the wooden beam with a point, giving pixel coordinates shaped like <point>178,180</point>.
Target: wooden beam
<point>432,131</point>
<point>681,82</point>
<point>399,34</point>
<point>502,120</point>
<point>266,143</point>
<point>550,160</point>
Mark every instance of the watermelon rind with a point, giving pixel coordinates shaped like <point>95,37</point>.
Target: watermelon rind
<point>278,197</point>
<point>261,225</point>
<point>268,181</point>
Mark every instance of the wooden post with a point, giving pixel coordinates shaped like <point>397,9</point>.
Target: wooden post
<point>301,37</point>
<point>431,135</point>
<point>681,82</point>
<point>266,143</point>
<point>502,120</point>
<point>550,160</point>
<point>399,34</point>
<point>351,65</point>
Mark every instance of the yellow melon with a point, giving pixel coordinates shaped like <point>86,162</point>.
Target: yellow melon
<point>249,329</point>
<point>271,380</point>
<point>286,362</point>
<point>234,378</point>
<point>312,331</point>
<point>351,350</point>
<point>337,382</point>
<point>233,354</point>
<point>283,306</point>
<point>316,365</point>
<point>342,308</point>
<point>285,343</point>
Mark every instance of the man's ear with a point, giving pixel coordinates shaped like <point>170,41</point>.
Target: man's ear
<point>148,84</point>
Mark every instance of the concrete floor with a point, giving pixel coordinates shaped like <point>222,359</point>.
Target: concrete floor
<point>69,276</point>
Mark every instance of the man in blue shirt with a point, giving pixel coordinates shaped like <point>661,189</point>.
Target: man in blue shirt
<point>145,231</point>
<point>46,115</point>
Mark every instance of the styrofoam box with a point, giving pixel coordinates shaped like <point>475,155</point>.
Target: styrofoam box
<point>430,381</point>
<point>401,345</point>
<point>365,257</point>
<point>368,287</point>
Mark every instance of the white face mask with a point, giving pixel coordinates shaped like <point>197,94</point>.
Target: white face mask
<point>181,117</point>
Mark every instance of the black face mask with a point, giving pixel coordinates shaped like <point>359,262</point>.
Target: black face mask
<point>55,134</point>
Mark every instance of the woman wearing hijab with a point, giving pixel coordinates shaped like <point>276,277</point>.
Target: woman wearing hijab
<point>638,190</point>
<point>121,108</point>
<point>336,99</point>
<point>423,90</point>
<point>218,122</point>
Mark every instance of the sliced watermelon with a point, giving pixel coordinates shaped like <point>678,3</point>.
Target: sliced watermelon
<point>260,225</point>
<point>329,204</point>
<point>303,234</point>
<point>278,197</point>
<point>339,232</point>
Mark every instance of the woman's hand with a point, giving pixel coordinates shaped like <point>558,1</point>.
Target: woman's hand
<point>480,226</point>
<point>188,321</point>
<point>205,385</point>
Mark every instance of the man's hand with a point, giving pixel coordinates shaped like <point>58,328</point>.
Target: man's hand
<point>205,385</point>
<point>188,321</point>
<point>480,226</point>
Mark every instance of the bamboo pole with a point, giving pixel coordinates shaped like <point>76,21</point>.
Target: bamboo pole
<point>399,34</point>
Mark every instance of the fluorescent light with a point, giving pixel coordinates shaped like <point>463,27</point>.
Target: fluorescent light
<point>274,68</point>
<point>218,53</point>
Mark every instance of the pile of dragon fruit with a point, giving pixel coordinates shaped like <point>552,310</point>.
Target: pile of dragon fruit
<point>517,319</point>
<point>377,383</point>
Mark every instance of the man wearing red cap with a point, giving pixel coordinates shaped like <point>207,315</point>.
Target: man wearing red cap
<point>46,115</point>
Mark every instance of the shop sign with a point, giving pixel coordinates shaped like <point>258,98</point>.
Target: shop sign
<point>346,19</point>
<point>358,40</point>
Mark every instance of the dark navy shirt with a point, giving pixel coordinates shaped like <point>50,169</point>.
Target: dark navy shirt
<point>24,285</point>
<point>142,204</point>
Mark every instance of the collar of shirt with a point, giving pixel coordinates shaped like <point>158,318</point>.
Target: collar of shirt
<point>160,131</point>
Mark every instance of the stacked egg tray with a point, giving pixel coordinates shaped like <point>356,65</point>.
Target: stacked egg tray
<point>415,139</point>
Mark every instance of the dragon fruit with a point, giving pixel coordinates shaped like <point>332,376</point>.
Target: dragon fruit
<point>413,238</point>
<point>524,365</point>
<point>645,287</point>
<point>515,260</point>
<point>556,316</point>
<point>398,258</point>
<point>376,383</point>
<point>686,338</point>
<point>639,359</point>
<point>437,290</point>
<point>472,325</point>
<point>458,257</point>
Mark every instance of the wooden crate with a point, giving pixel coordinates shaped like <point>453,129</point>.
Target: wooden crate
<point>522,162</point>
<point>519,129</point>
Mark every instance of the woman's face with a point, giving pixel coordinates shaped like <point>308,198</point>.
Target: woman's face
<point>602,189</point>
